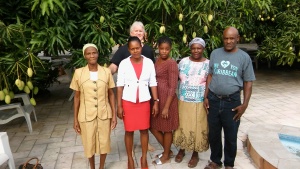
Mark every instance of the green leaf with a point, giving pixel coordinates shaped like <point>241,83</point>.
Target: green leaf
<point>50,3</point>
<point>36,2</point>
<point>44,7</point>
<point>60,5</point>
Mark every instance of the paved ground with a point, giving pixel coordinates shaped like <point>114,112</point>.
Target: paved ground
<point>275,100</point>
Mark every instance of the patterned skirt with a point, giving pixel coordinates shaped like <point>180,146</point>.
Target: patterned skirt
<point>192,133</point>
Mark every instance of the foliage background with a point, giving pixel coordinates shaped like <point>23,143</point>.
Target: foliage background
<point>55,26</point>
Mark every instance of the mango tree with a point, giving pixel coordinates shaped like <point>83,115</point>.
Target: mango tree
<point>57,26</point>
<point>23,34</point>
<point>279,32</point>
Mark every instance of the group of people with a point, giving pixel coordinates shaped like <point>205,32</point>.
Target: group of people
<point>186,104</point>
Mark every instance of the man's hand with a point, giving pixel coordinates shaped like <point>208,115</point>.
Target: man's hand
<point>240,110</point>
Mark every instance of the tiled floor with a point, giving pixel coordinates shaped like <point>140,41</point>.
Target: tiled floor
<point>275,100</point>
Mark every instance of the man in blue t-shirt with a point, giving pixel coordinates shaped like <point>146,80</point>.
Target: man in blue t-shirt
<point>230,72</point>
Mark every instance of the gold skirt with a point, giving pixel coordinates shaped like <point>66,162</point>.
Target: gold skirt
<point>95,136</point>
<point>192,133</point>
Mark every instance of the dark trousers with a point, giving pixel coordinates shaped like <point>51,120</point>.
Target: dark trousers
<point>221,116</point>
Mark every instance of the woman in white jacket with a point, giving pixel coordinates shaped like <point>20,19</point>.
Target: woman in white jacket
<point>135,75</point>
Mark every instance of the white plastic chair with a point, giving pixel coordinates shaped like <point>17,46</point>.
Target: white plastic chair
<point>27,105</point>
<point>5,151</point>
<point>14,110</point>
<point>71,96</point>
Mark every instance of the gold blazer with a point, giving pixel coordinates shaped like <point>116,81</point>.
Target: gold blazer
<point>94,100</point>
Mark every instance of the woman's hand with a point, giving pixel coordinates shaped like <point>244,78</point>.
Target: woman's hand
<point>165,113</point>
<point>113,122</point>
<point>76,127</point>
<point>206,105</point>
<point>155,109</point>
<point>120,112</point>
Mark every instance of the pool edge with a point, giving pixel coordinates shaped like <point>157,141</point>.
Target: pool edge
<point>264,157</point>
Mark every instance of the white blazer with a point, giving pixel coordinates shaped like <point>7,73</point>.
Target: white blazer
<point>127,78</point>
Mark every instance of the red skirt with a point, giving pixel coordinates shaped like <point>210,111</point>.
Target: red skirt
<point>136,115</point>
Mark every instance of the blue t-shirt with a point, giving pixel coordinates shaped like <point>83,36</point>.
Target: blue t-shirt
<point>229,71</point>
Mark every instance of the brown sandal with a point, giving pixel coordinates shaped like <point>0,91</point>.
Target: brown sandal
<point>179,156</point>
<point>212,165</point>
<point>193,162</point>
